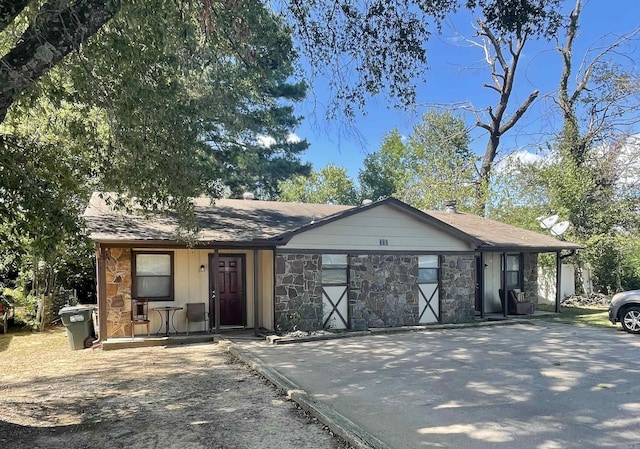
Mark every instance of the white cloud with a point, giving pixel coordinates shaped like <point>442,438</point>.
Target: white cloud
<point>625,157</point>
<point>514,160</point>
<point>268,141</point>
<point>293,138</point>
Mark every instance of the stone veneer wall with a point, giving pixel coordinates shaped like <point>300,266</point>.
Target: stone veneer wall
<point>530,276</point>
<point>118,300</point>
<point>298,295</point>
<point>457,289</point>
<point>383,291</point>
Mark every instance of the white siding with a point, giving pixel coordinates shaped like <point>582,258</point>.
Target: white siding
<point>364,230</point>
<point>192,285</point>
<point>547,283</point>
<point>492,283</point>
<point>266,289</point>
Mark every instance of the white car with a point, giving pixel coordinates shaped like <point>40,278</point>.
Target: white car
<point>625,308</point>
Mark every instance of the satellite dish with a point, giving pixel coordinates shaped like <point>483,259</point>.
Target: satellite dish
<point>560,228</point>
<point>547,223</point>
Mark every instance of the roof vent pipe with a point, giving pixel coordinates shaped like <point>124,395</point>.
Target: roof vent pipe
<point>248,196</point>
<point>450,206</point>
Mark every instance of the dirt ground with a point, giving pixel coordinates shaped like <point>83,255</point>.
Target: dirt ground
<point>183,397</point>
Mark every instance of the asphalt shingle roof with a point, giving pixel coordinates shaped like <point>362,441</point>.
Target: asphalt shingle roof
<point>250,221</point>
<point>498,235</point>
<point>226,220</point>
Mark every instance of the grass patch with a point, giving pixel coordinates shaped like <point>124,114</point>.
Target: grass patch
<point>581,316</point>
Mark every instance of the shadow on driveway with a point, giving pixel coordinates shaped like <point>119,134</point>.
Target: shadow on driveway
<point>536,386</point>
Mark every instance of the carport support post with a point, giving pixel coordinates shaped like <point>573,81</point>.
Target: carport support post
<point>480,283</point>
<point>504,285</point>
<point>216,298</point>
<point>255,292</point>
<point>558,280</point>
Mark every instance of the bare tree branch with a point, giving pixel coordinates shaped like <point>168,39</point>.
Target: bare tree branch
<point>519,112</point>
<point>503,74</point>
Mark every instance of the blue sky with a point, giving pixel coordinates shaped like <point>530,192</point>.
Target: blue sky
<point>456,76</point>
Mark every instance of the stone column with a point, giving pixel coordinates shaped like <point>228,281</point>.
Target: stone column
<point>118,300</point>
<point>457,289</point>
<point>298,297</point>
<point>530,277</point>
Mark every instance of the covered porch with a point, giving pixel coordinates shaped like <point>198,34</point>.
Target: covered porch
<point>151,291</point>
<point>501,275</point>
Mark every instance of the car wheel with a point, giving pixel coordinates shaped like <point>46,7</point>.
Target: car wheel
<point>631,319</point>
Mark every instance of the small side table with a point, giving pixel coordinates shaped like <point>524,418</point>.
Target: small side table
<point>168,310</point>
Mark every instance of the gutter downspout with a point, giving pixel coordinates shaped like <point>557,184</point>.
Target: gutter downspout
<point>101,257</point>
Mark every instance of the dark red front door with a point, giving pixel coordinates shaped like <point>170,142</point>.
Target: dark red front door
<point>230,288</point>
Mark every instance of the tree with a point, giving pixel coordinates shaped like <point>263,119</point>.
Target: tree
<point>385,172</point>
<point>330,185</point>
<point>162,112</point>
<point>503,74</point>
<point>587,183</point>
<point>52,31</point>
<point>166,101</point>
<point>442,165</point>
<point>434,165</point>
<point>392,36</point>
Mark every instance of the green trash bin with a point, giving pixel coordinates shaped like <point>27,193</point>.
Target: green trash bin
<point>79,323</point>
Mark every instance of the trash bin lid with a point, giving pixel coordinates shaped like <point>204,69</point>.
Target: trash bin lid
<point>74,309</point>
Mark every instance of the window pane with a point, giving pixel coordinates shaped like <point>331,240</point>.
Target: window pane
<point>428,261</point>
<point>153,265</point>
<point>334,260</point>
<point>427,276</point>
<point>513,279</point>
<point>513,263</point>
<point>336,277</point>
<point>153,287</point>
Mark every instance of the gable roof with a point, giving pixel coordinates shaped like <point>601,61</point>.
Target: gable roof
<point>273,223</point>
<point>394,202</point>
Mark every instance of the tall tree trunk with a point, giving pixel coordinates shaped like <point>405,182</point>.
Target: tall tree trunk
<point>503,74</point>
<point>54,33</point>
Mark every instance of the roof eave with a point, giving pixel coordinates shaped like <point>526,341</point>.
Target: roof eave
<point>528,249</point>
<point>201,244</point>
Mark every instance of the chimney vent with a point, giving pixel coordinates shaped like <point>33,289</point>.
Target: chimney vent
<point>248,196</point>
<point>450,206</point>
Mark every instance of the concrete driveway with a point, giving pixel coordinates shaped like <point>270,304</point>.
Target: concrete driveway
<point>521,386</point>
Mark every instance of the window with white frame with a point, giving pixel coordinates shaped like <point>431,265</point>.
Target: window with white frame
<point>153,276</point>
<point>334,269</point>
<point>428,269</point>
<point>513,271</point>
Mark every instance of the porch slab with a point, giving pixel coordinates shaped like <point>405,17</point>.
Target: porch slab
<point>179,339</point>
<point>140,342</point>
